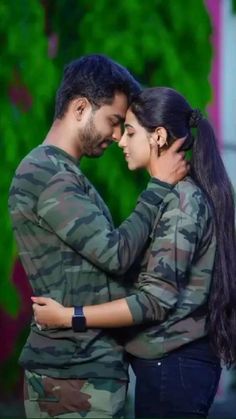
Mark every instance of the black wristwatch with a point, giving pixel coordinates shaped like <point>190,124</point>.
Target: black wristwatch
<point>79,320</point>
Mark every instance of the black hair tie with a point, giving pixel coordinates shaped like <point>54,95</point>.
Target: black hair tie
<point>195,118</point>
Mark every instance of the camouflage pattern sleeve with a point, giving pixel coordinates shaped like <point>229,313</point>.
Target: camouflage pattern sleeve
<point>175,239</point>
<point>65,208</point>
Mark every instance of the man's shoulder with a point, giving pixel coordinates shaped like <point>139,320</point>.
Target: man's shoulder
<point>35,160</point>
<point>43,163</point>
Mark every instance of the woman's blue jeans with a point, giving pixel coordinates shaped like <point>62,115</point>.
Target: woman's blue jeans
<point>180,385</point>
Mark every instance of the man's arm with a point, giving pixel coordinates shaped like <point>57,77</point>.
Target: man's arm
<point>77,221</point>
<point>69,212</point>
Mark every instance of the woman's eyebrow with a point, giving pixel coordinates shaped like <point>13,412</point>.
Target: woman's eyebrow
<point>128,126</point>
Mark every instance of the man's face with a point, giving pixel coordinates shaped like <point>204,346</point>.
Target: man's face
<point>103,126</point>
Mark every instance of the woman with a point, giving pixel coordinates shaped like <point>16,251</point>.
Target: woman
<point>185,294</point>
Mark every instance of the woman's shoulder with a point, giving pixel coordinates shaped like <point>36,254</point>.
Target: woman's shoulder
<point>189,198</point>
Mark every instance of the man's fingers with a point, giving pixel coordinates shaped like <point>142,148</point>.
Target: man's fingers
<point>181,154</point>
<point>154,150</point>
<point>177,144</point>
<point>173,148</point>
<point>183,168</point>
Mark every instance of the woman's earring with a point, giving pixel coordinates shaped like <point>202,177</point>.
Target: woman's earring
<point>160,147</point>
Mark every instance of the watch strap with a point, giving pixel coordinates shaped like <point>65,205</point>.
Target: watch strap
<point>78,311</point>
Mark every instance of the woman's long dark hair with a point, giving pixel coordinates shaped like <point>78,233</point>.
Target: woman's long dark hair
<point>165,107</point>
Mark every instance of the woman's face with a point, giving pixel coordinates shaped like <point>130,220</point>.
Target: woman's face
<point>135,143</point>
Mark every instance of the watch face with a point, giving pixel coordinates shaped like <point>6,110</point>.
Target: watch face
<point>79,323</point>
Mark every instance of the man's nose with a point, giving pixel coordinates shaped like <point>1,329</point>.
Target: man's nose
<point>117,133</point>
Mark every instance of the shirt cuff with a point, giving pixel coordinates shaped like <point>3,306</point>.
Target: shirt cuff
<point>137,309</point>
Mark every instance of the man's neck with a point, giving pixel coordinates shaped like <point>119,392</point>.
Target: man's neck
<point>59,135</point>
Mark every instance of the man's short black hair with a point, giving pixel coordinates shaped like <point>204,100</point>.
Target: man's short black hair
<point>97,78</point>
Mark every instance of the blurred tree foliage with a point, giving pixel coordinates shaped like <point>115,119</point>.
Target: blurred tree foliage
<point>27,81</point>
<point>162,43</point>
<point>234,5</point>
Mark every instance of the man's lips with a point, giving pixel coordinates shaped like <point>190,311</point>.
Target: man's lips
<point>105,144</point>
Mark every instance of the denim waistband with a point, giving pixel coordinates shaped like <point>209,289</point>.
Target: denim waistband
<point>198,349</point>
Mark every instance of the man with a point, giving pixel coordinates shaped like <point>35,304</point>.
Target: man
<point>69,247</point>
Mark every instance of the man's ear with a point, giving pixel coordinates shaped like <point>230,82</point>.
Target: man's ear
<point>80,106</point>
<point>159,137</point>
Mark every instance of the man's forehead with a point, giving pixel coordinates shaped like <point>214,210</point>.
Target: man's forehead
<point>118,108</point>
<point>120,104</point>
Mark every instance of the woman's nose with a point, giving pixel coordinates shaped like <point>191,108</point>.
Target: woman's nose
<point>122,142</point>
<point>116,136</point>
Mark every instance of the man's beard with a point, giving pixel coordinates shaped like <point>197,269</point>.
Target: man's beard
<point>91,140</point>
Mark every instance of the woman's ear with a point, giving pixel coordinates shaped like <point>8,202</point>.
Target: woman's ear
<point>159,137</point>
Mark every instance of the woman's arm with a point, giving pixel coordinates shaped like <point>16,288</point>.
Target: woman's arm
<point>50,313</point>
